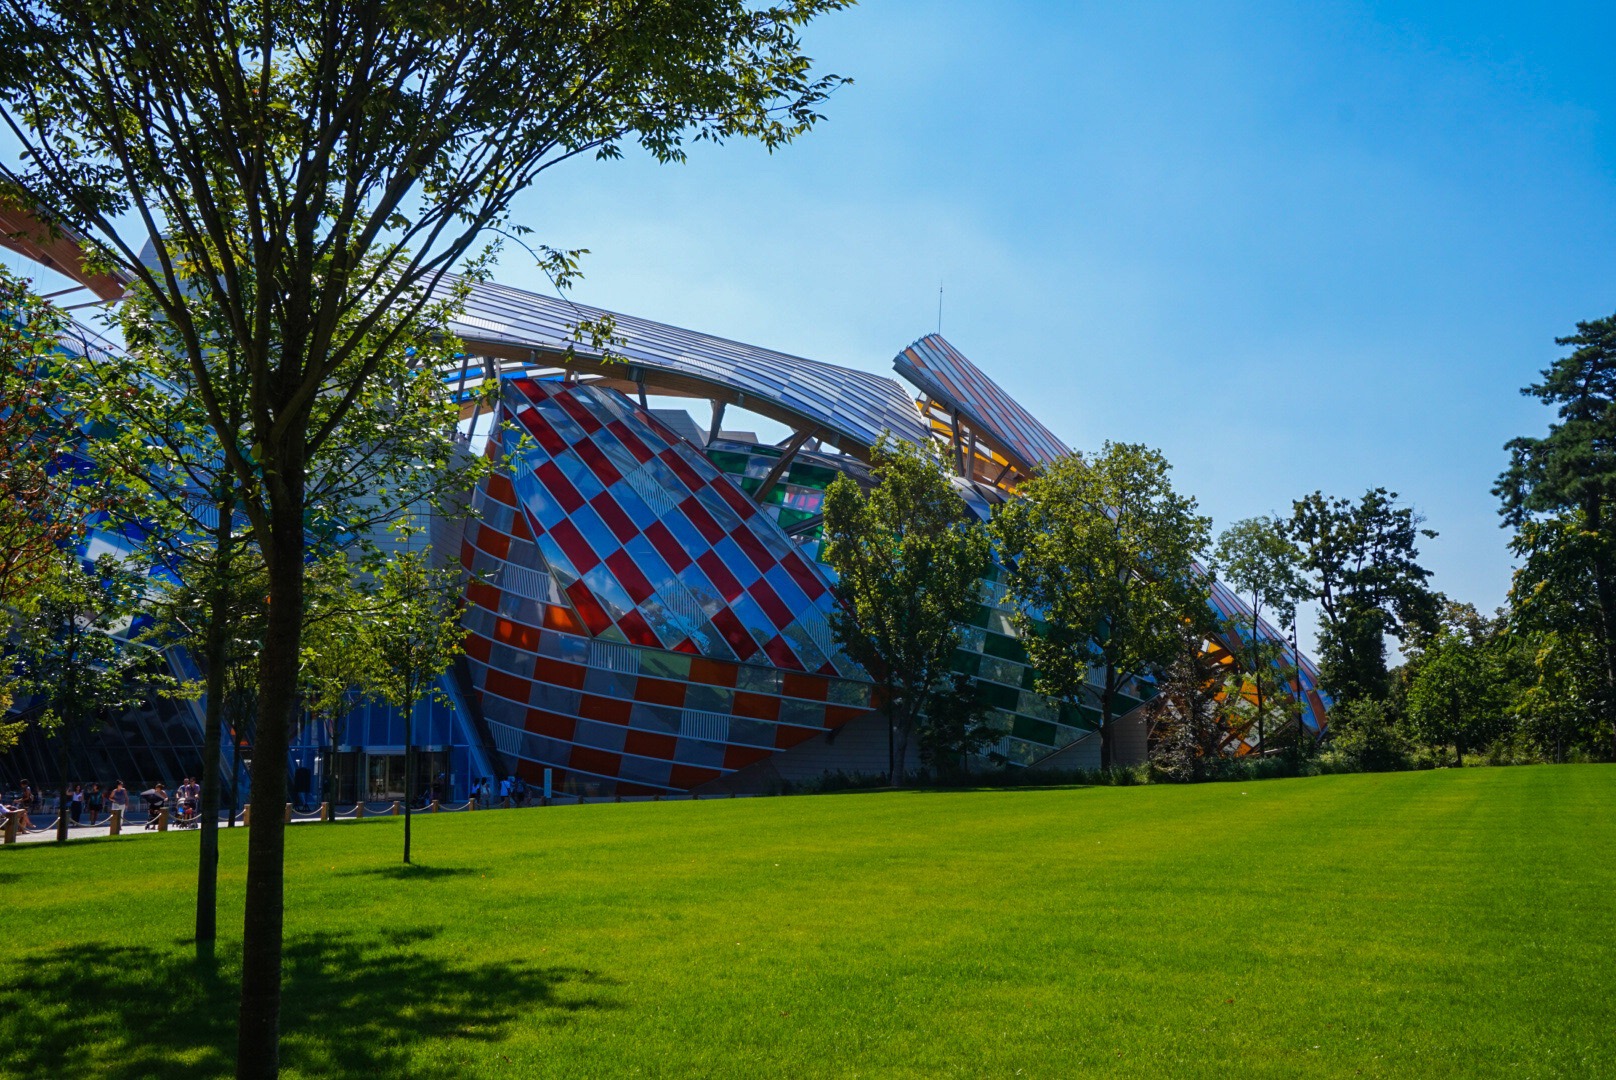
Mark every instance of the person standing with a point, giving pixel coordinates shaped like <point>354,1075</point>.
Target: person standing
<point>92,802</point>
<point>119,799</point>
<point>76,803</point>
<point>156,798</point>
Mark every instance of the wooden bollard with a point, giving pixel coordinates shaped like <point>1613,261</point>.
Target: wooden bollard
<point>325,811</point>
<point>162,819</point>
<point>288,813</point>
<point>359,810</point>
<point>115,822</point>
<point>505,803</point>
<point>472,805</point>
<point>246,816</point>
<point>433,809</point>
<point>11,829</point>
<point>395,808</point>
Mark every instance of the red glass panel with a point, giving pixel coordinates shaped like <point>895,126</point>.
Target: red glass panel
<point>559,487</point>
<point>577,548</point>
<point>672,553</point>
<point>719,575</point>
<point>770,602</point>
<point>613,516</point>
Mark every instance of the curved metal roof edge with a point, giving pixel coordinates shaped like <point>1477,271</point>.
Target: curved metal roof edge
<point>542,323</point>
<point>923,379</point>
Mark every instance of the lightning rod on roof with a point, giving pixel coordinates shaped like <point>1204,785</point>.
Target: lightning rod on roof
<point>939,307</point>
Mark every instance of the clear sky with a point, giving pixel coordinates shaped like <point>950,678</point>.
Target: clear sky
<point>1295,246</point>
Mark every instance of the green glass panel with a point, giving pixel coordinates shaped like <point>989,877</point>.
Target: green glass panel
<point>1000,697</point>
<point>1007,648</point>
<point>966,663</point>
<point>1038,731</point>
<point>817,476</point>
<point>729,460</point>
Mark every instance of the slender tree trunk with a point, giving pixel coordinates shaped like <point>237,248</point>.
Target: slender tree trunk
<point>258,1028</point>
<point>62,799</point>
<point>1107,733</point>
<point>1605,591</point>
<point>894,776</point>
<point>216,646</point>
<point>1256,674</point>
<point>409,764</point>
<point>67,725</point>
<point>900,748</point>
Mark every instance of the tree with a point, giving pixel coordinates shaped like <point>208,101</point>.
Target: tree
<point>1570,474</point>
<point>70,656</point>
<point>397,447</point>
<point>1102,556</point>
<point>954,727</point>
<point>414,636</point>
<point>41,509</point>
<point>290,164</point>
<point>1258,561</point>
<point>215,612</point>
<point>1186,726</point>
<point>1567,698</point>
<point>337,657</point>
<point>909,562</point>
<point>1455,694</point>
<point>1362,564</point>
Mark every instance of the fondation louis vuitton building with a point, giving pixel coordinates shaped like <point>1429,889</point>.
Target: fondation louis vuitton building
<point>645,611</point>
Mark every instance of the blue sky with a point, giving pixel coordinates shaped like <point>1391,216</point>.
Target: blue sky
<point>1294,246</point>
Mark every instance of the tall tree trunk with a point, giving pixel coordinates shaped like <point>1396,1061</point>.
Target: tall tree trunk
<point>66,727</point>
<point>409,764</point>
<point>1256,673</point>
<point>1107,701</point>
<point>900,749</point>
<point>258,1026</point>
<point>894,772</point>
<point>216,646</point>
<point>1605,592</point>
<point>62,799</point>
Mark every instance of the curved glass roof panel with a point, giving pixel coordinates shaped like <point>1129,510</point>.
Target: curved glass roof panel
<point>856,405</point>
<point>947,377</point>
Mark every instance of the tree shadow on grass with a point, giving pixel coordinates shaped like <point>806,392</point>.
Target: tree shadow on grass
<point>413,872</point>
<point>351,1006</point>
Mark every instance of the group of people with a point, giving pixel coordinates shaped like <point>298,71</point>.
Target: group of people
<point>514,788</point>
<point>86,803</point>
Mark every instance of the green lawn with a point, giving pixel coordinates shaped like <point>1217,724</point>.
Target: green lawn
<point>1430,924</point>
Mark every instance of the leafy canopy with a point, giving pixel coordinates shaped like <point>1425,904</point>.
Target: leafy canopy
<point>1102,556</point>
<point>909,561</point>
